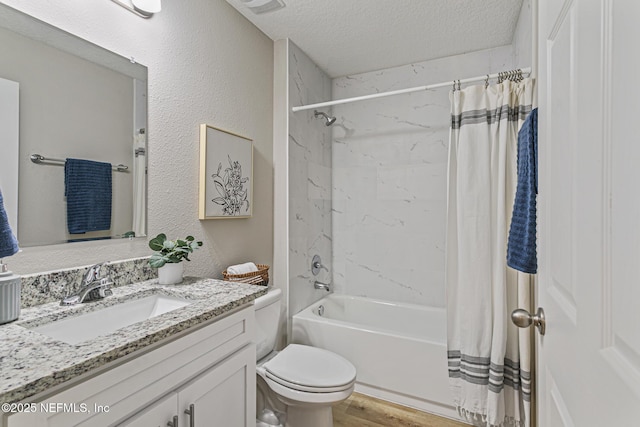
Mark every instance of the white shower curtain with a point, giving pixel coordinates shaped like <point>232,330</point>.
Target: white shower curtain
<point>488,356</point>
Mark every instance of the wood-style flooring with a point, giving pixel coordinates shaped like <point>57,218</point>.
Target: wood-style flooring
<point>364,411</point>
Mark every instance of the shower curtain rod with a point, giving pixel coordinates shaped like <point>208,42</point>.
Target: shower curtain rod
<point>401,91</point>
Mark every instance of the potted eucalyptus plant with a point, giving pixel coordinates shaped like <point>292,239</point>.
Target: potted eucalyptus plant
<point>169,256</point>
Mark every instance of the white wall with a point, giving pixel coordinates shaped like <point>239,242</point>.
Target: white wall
<point>389,178</point>
<point>9,135</point>
<point>522,38</point>
<point>207,64</point>
<point>309,181</point>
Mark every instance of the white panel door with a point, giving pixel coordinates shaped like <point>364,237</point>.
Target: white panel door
<point>589,213</point>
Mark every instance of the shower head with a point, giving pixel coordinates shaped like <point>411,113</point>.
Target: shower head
<point>328,119</point>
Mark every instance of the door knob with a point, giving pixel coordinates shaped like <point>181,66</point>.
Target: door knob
<point>523,319</point>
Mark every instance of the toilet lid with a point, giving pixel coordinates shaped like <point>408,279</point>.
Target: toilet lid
<point>313,367</point>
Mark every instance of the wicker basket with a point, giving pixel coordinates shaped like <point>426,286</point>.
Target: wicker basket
<point>260,277</point>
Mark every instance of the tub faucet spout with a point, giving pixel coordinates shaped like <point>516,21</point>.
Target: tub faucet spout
<point>320,285</point>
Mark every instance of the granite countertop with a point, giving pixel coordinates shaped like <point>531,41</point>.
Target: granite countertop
<point>31,363</point>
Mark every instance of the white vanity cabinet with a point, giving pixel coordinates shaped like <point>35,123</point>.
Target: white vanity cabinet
<point>211,368</point>
<point>219,397</point>
<point>159,414</point>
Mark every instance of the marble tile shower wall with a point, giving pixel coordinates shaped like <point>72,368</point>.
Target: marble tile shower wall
<point>309,181</point>
<point>390,175</point>
<point>522,47</point>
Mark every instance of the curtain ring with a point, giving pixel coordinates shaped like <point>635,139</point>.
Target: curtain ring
<point>500,77</point>
<point>520,77</point>
<point>454,85</point>
<point>458,84</point>
<point>486,82</point>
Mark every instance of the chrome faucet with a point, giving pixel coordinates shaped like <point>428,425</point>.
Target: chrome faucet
<point>92,274</point>
<point>93,287</point>
<point>320,285</point>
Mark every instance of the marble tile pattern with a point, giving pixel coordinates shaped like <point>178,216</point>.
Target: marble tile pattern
<point>389,178</point>
<point>309,181</point>
<point>31,362</point>
<point>42,288</point>
<point>522,45</point>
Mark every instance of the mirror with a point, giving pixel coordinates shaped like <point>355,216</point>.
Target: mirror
<point>71,99</point>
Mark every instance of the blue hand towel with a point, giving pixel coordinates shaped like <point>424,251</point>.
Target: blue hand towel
<point>8,242</point>
<point>521,246</point>
<point>88,191</point>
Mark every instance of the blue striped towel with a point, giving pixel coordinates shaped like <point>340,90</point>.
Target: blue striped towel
<point>88,191</point>
<point>521,246</point>
<point>8,242</point>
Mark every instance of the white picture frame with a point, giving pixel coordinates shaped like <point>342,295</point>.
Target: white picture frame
<point>226,174</point>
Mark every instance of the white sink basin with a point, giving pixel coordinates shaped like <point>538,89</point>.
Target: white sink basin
<point>82,328</point>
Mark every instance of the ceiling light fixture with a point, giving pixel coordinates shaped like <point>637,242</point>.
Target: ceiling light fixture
<point>142,8</point>
<point>263,6</point>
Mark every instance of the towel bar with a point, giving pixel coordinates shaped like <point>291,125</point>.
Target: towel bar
<point>39,159</point>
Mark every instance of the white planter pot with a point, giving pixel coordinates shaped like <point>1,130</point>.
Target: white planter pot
<point>170,273</point>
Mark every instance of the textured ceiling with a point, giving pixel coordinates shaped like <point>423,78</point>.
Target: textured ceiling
<point>347,37</point>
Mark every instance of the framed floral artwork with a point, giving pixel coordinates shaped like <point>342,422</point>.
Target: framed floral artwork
<point>226,174</point>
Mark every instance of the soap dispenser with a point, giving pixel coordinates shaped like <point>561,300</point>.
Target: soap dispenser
<point>9,294</point>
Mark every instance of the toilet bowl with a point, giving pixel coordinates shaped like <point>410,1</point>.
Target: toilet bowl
<point>302,382</point>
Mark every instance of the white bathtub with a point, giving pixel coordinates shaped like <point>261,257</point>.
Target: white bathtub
<point>398,349</point>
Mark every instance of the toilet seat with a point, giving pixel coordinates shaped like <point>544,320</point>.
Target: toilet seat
<point>309,369</point>
<point>294,397</point>
<point>304,388</point>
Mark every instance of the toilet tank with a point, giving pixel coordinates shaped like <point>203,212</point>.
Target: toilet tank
<point>267,309</point>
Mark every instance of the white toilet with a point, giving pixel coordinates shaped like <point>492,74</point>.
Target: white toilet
<point>301,381</point>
